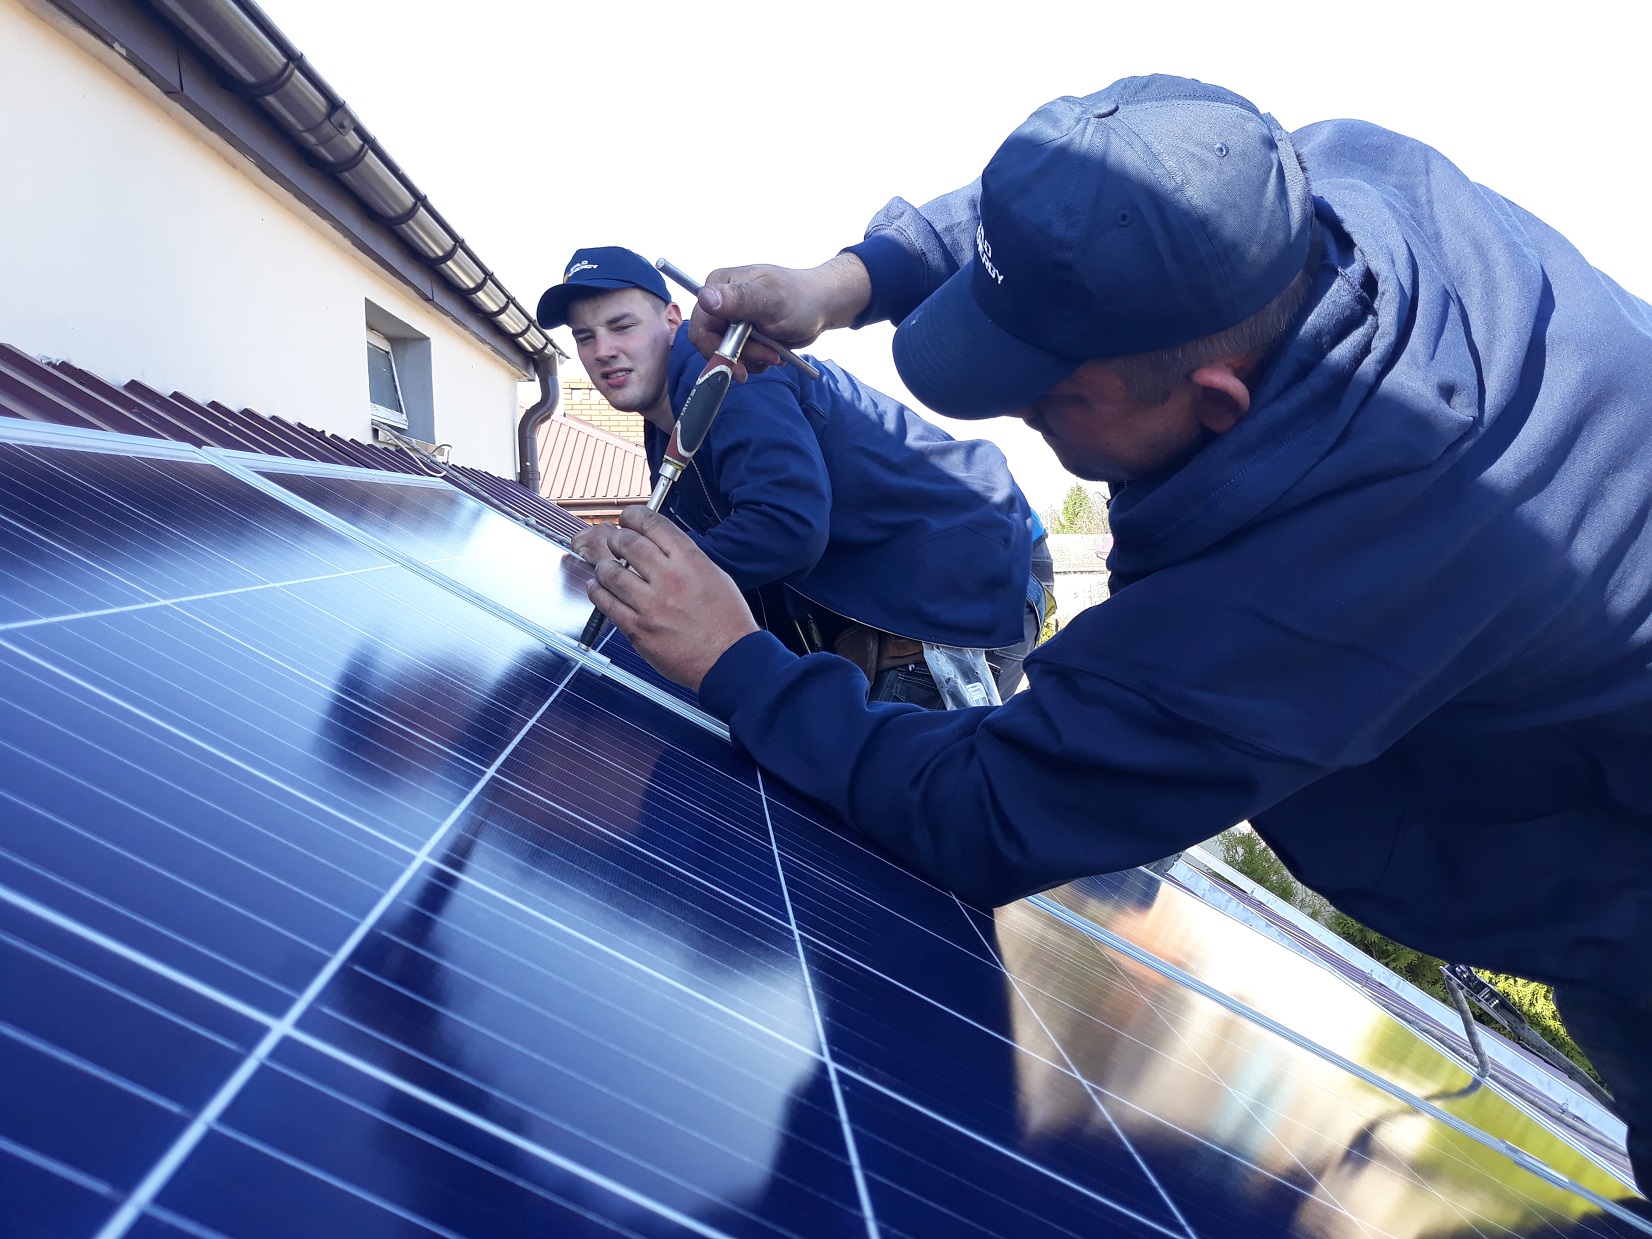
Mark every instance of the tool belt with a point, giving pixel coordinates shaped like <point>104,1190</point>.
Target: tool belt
<point>962,678</point>
<point>874,651</point>
<point>806,627</point>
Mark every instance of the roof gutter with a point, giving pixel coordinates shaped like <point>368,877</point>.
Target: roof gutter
<point>261,64</point>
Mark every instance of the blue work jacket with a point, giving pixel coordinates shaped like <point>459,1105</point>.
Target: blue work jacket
<point>856,502</point>
<point>1400,617</point>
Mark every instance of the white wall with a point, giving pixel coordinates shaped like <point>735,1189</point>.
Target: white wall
<point>1080,572</point>
<point>135,244</point>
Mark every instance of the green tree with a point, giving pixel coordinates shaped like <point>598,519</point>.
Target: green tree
<point>1242,849</point>
<point>1535,1001</point>
<point>1081,511</point>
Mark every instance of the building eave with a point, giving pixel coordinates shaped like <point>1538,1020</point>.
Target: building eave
<point>199,56</point>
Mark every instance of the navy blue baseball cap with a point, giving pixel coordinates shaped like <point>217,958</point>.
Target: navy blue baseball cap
<point>598,269</point>
<point>1149,214</point>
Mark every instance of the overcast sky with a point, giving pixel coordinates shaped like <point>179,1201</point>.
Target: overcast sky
<point>540,127</point>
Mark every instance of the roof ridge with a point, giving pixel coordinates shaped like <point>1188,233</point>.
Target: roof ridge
<point>591,428</point>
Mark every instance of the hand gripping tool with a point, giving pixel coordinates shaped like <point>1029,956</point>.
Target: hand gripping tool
<point>705,398</point>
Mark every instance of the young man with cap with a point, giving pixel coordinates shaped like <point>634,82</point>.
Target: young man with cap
<point>1382,564</point>
<point>852,524</point>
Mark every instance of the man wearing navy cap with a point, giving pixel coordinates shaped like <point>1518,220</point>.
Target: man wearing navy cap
<point>852,524</point>
<point>1381,465</point>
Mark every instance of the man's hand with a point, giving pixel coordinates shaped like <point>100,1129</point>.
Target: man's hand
<point>789,305</point>
<point>679,610</point>
<point>591,543</point>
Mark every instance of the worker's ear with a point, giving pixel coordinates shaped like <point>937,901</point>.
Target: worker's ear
<point>1223,396</point>
<point>673,319</point>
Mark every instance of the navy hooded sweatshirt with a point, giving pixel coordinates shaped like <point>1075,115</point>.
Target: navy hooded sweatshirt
<point>1400,617</point>
<point>856,502</point>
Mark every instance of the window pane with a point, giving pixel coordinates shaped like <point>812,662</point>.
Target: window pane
<point>381,379</point>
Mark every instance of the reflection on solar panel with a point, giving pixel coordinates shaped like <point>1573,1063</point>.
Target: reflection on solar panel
<point>340,894</point>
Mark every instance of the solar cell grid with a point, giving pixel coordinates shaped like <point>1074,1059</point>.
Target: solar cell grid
<point>635,787</point>
<point>1179,1075</point>
<point>1207,886</point>
<point>1093,1022</point>
<point>443,534</point>
<point>152,519</point>
<point>43,578</point>
<point>333,903</point>
<point>64,394</point>
<point>614,646</point>
<point>468,541</point>
<point>1177,927</point>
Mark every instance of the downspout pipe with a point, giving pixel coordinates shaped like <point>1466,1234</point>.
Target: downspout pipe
<point>527,430</point>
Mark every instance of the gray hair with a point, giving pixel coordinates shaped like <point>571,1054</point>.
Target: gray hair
<point>1151,377</point>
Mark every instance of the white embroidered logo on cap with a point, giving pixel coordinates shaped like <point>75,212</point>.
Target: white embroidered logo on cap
<point>985,252</point>
<point>582,265</point>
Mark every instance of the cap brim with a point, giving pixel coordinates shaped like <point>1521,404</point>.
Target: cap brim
<point>956,362</point>
<point>552,310</point>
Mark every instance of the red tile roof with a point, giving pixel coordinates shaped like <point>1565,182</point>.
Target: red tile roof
<point>589,471</point>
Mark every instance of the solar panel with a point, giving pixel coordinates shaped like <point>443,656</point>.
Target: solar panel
<point>448,535</point>
<point>617,650</point>
<point>341,895</point>
<point>63,394</point>
<point>468,542</point>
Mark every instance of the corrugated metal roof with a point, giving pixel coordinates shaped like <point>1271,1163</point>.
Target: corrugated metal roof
<point>66,395</point>
<point>588,469</point>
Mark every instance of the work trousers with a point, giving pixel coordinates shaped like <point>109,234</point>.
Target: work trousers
<point>911,683</point>
<point>914,684</point>
<point>1617,1038</point>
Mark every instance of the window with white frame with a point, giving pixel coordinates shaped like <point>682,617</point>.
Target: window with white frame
<point>383,389</point>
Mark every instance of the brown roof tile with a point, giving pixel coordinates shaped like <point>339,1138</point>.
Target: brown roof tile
<point>588,470</point>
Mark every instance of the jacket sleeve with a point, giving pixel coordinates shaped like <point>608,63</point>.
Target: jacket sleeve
<point>770,485</point>
<point>911,251</point>
<point>1199,695</point>
<point>1077,774</point>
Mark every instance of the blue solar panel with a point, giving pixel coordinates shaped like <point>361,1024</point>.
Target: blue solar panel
<point>340,896</point>
<point>89,530</point>
<point>499,563</point>
<point>464,539</point>
<point>614,646</point>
